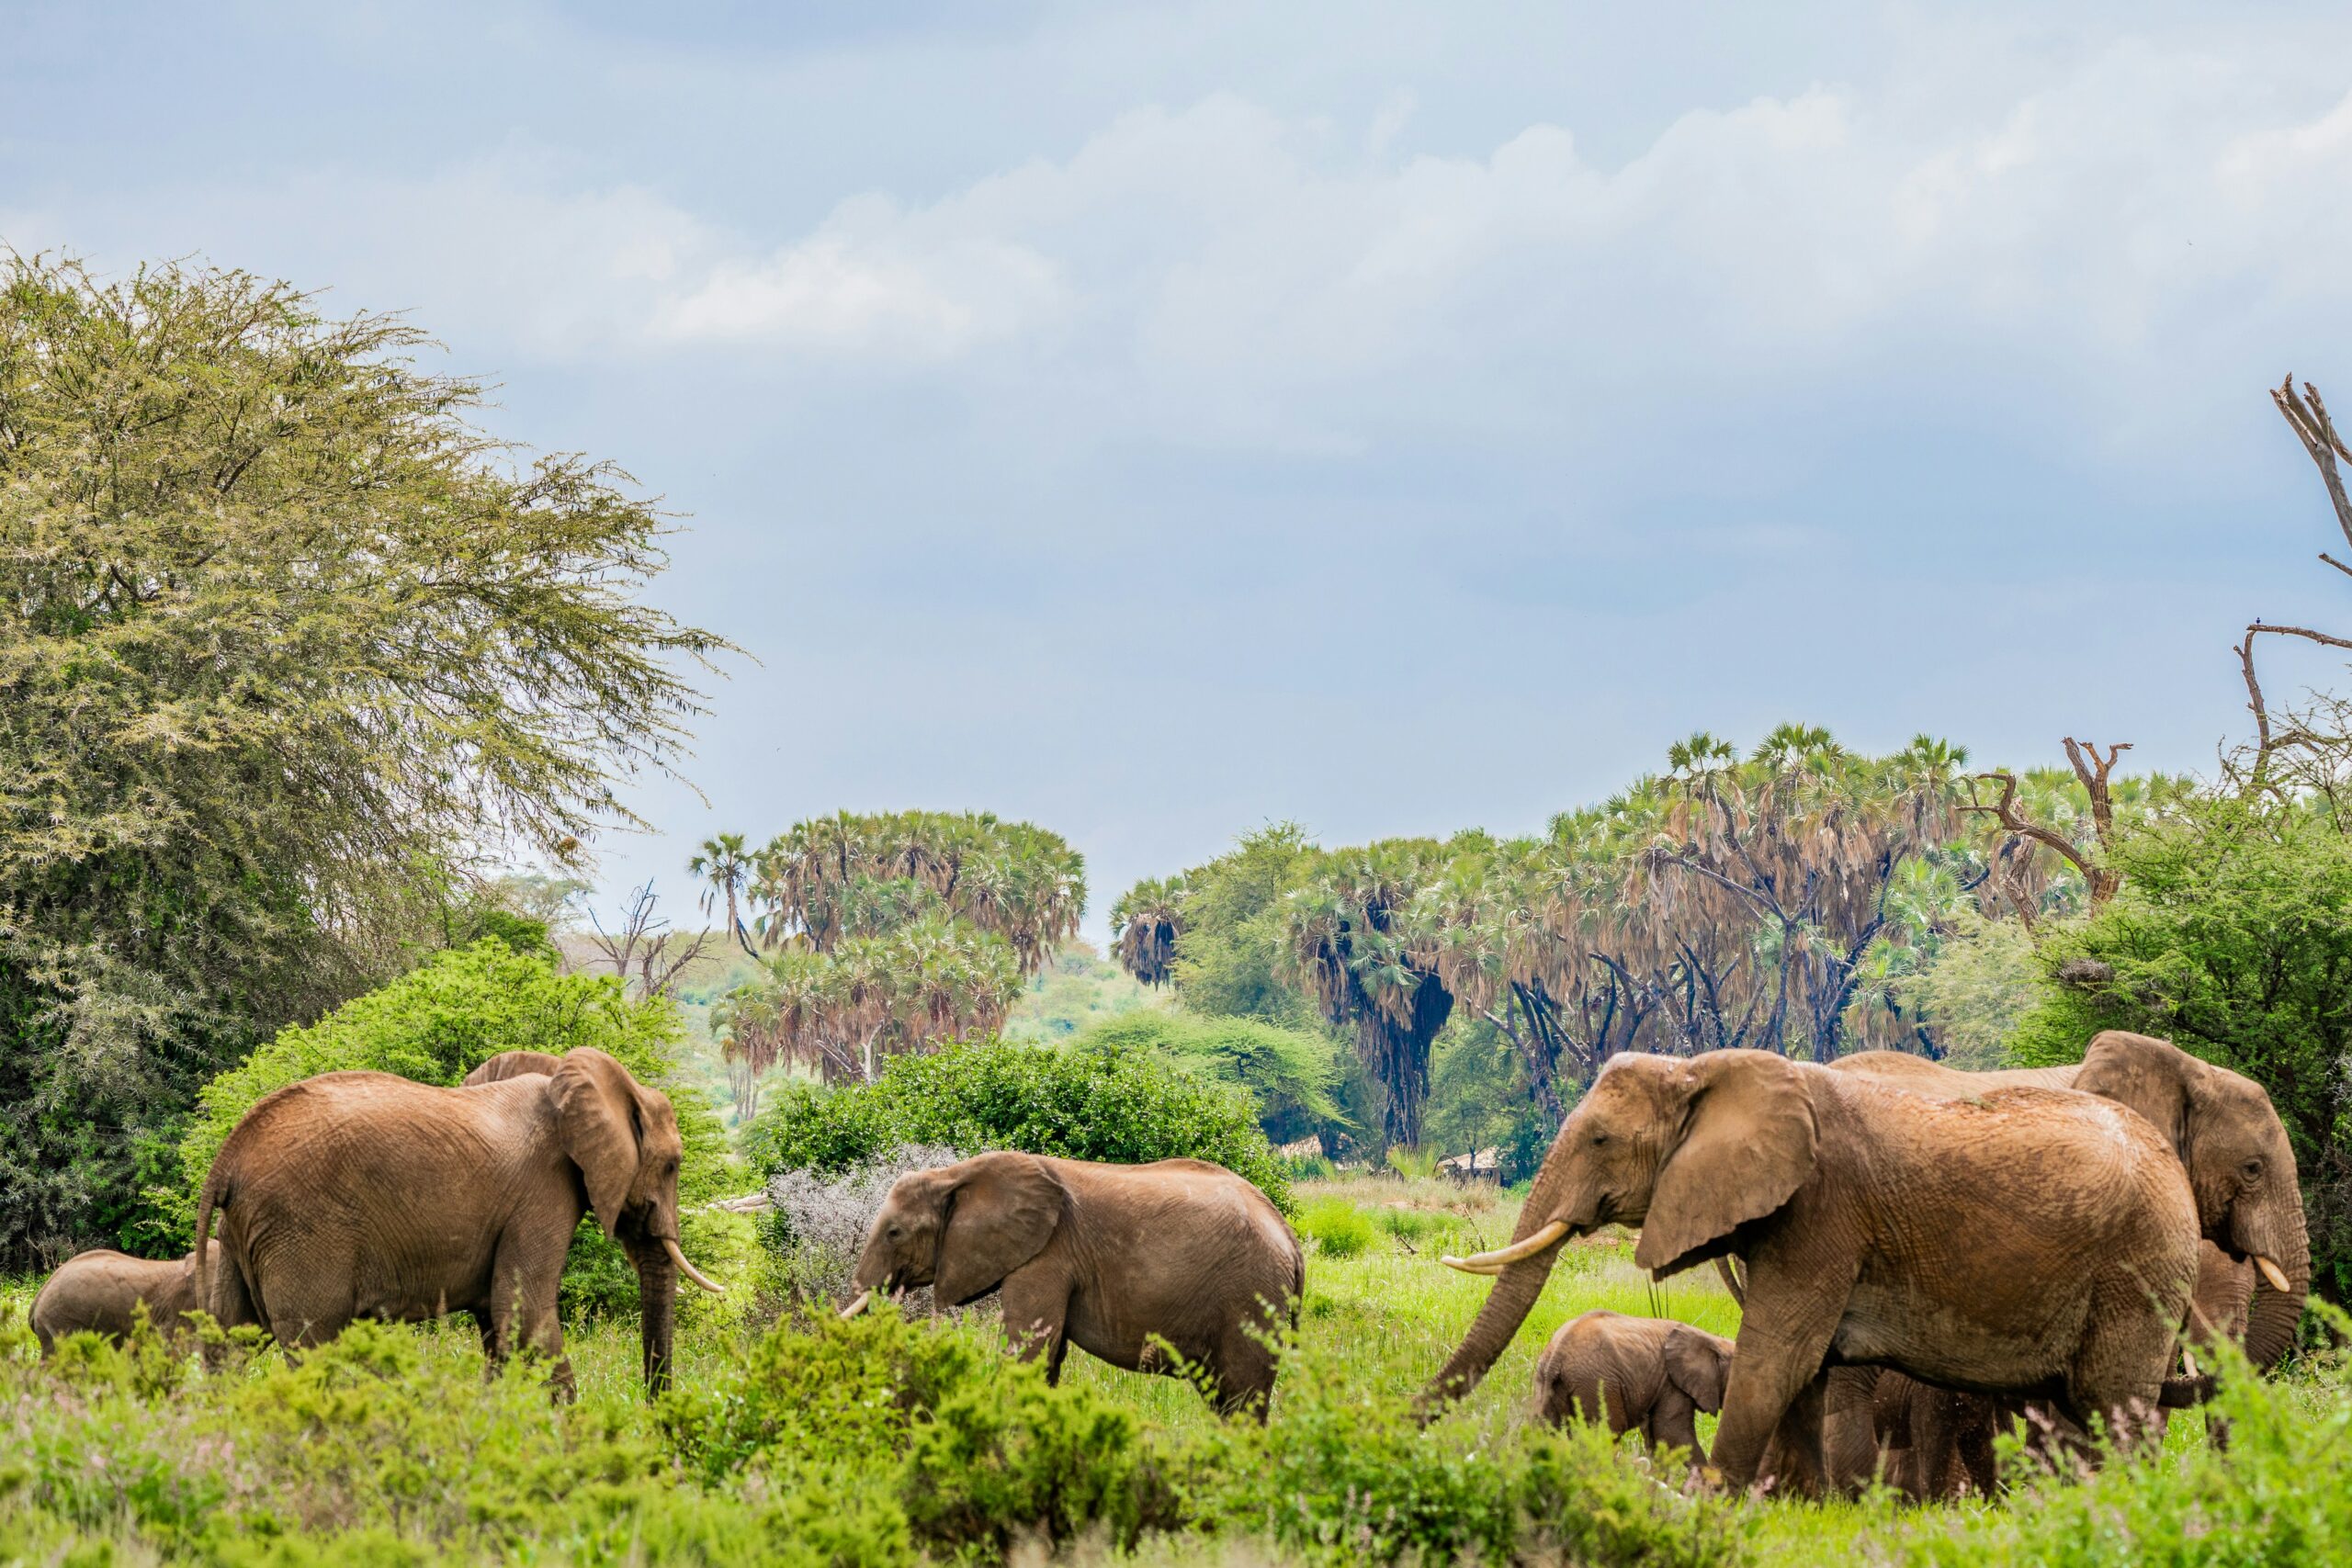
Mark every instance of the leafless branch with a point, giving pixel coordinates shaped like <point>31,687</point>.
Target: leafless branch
<point>2307,416</point>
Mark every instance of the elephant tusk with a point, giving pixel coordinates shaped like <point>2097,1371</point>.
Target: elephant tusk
<point>1483,1270</point>
<point>671,1247</point>
<point>2272,1272</point>
<point>859,1305</point>
<point>1494,1262</point>
<point>2189,1362</point>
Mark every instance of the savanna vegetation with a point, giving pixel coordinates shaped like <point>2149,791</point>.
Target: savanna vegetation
<point>297,666</point>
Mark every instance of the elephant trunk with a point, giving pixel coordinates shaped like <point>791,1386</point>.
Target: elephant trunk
<point>1507,1307</point>
<point>2271,1320</point>
<point>657,1306</point>
<point>1507,1304</point>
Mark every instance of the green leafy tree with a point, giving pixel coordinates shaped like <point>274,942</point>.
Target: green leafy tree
<point>286,640</point>
<point>1291,1075</point>
<point>2231,936</point>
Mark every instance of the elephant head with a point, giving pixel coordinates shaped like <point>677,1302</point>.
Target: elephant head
<point>624,1139</point>
<point>1688,1150</point>
<point>2239,1166</point>
<point>960,1228</point>
<point>1698,1363</point>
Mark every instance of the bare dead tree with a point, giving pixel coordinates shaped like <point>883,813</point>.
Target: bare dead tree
<point>2306,414</point>
<point>2092,771</point>
<point>644,949</point>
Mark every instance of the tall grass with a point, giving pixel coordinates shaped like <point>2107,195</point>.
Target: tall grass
<point>884,1442</point>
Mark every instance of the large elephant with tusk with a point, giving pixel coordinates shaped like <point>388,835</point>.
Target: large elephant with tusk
<point>2222,1129</point>
<point>355,1195</point>
<point>2028,1242</point>
<point>1128,1262</point>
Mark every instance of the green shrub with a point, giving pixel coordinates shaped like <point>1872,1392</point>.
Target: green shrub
<point>1337,1227</point>
<point>434,1024</point>
<point>1075,1101</point>
<point>439,1022</point>
<point>2280,1490</point>
<point>1289,1073</point>
<point>1414,1164</point>
<point>1418,1225</point>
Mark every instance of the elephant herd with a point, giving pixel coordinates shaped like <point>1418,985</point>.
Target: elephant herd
<point>1924,1249</point>
<point>1919,1252</point>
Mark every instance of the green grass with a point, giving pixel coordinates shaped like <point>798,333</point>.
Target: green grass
<point>395,1449</point>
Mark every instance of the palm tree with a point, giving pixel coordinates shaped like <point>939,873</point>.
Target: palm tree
<point>1149,918</point>
<point>725,869</point>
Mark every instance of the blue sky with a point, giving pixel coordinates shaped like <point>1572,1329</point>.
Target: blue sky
<point>1154,420</point>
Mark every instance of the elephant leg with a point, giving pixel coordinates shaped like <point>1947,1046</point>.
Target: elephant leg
<point>1036,1313</point>
<point>523,1316</point>
<point>1850,1456</point>
<point>1792,1317</point>
<point>1244,1374</point>
<point>1973,1446</point>
<point>1674,1424</point>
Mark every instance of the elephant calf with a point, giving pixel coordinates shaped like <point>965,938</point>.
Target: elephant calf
<point>1109,1258</point>
<point>101,1291</point>
<point>1646,1372</point>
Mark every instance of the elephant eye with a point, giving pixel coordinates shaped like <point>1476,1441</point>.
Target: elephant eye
<point>2252,1169</point>
<point>1600,1138</point>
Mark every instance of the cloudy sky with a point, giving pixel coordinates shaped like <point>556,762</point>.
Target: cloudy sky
<point>1154,420</point>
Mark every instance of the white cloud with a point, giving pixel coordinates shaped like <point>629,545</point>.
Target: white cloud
<point>871,281</point>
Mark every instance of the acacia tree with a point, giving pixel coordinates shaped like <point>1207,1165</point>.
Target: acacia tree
<point>284,642</point>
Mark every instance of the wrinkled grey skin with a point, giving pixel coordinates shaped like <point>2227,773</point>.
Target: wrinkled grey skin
<point>101,1290</point>
<point>1649,1373</point>
<point>1103,1257</point>
<point>1937,1442</point>
<point>355,1195</point>
<point>2221,1126</point>
<point>513,1065</point>
<point>2025,1241</point>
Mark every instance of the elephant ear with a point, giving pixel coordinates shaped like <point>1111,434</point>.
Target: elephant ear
<point>1697,1363</point>
<point>2147,1075</point>
<point>597,1123</point>
<point>1748,1143</point>
<point>1001,1213</point>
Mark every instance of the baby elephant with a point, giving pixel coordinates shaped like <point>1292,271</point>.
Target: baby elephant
<point>1648,1372</point>
<point>1108,1257</point>
<point>100,1290</point>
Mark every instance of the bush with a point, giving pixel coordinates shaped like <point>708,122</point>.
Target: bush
<point>434,1024</point>
<point>1074,1102</point>
<point>2231,938</point>
<point>820,1222</point>
<point>1289,1073</point>
<point>1337,1227</point>
<point>439,1022</point>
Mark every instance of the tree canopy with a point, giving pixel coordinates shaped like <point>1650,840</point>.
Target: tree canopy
<point>892,933</point>
<point>286,643</point>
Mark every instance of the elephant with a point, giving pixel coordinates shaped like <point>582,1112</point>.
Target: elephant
<point>1931,1440</point>
<point>101,1290</point>
<point>2222,1127</point>
<point>1109,1258</point>
<point>2026,1241</point>
<point>513,1065</point>
<point>1646,1372</point>
<point>361,1194</point>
